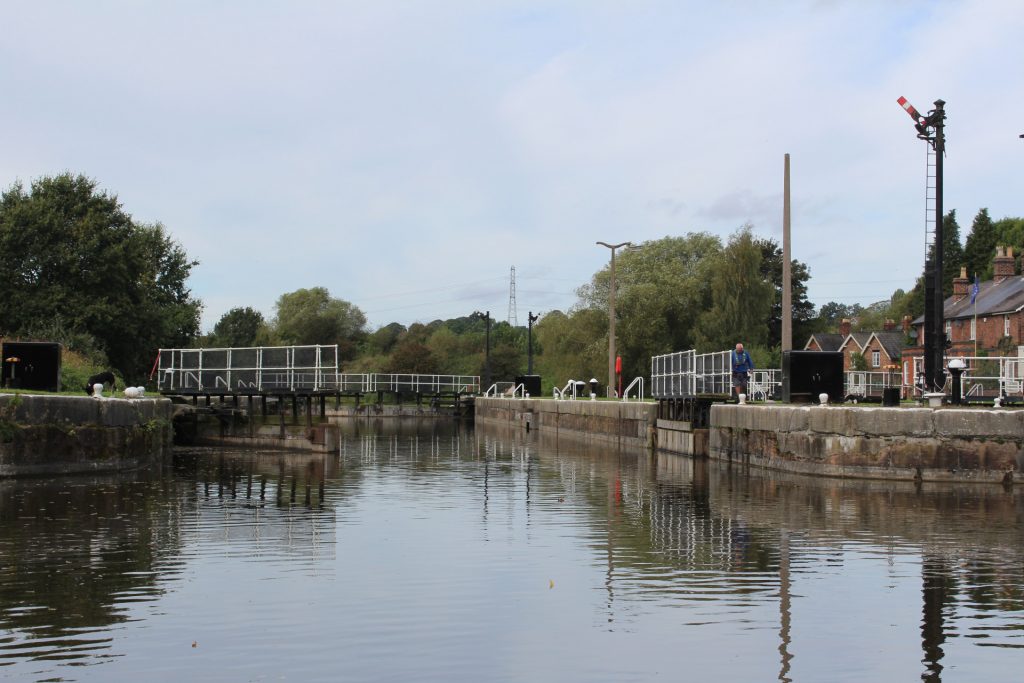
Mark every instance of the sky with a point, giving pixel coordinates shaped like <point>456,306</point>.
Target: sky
<point>407,155</point>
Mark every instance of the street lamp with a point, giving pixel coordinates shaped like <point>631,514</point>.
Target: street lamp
<point>611,316</point>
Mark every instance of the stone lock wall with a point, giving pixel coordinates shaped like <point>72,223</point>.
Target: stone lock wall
<point>621,422</point>
<point>924,444</point>
<point>49,434</point>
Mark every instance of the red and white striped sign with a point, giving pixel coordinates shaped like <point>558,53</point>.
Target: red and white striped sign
<point>909,108</point>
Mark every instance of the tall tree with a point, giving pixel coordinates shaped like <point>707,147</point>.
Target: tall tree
<point>952,252</point>
<point>313,316</point>
<point>69,252</point>
<point>980,247</point>
<point>661,289</point>
<point>741,300</point>
<point>803,310</point>
<point>238,327</point>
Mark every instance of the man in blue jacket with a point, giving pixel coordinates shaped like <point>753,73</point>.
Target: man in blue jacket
<point>742,366</point>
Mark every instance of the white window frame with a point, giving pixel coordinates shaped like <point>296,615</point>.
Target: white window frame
<point>876,359</point>
<point>974,329</point>
<point>949,329</point>
<point>1006,325</point>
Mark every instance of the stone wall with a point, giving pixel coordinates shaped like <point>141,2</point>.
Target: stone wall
<point>946,444</point>
<point>621,422</point>
<point>50,434</point>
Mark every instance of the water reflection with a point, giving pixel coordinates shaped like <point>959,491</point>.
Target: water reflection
<point>500,555</point>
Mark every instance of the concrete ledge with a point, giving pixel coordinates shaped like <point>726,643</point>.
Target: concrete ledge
<point>41,434</point>
<point>621,422</point>
<point>947,444</point>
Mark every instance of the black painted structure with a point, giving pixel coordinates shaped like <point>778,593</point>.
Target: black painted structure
<point>31,365</point>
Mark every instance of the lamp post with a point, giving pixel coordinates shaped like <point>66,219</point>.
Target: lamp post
<point>611,316</point>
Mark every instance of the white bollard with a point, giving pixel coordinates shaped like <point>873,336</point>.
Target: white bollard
<point>742,399</point>
<point>97,390</point>
<point>141,390</point>
<point>823,399</point>
<point>131,392</point>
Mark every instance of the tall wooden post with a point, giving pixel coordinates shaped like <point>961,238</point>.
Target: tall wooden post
<point>787,270</point>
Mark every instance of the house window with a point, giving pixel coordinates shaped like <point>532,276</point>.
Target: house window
<point>949,329</point>
<point>1006,326</point>
<point>876,359</point>
<point>973,328</point>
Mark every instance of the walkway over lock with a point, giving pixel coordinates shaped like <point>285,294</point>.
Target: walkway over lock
<point>276,370</point>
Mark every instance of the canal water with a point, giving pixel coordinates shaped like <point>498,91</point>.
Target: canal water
<point>432,552</point>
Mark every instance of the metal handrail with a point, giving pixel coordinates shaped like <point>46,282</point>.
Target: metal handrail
<point>640,396</point>
<point>515,390</point>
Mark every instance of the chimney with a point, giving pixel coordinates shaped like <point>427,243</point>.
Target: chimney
<point>844,327</point>
<point>889,325</point>
<point>960,283</point>
<point>1003,263</point>
<point>906,324</point>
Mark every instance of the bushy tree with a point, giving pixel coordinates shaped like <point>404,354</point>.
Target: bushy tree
<point>238,327</point>
<point>413,357</point>
<point>741,300</point>
<point>803,310</point>
<point>661,289</point>
<point>980,247</point>
<point>69,251</point>
<point>312,316</point>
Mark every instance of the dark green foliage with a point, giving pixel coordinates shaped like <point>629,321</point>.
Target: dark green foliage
<point>981,247</point>
<point>741,299</point>
<point>69,253</point>
<point>803,310</point>
<point>312,316</point>
<point>952,252</point>
<point>412,356</point>
<point>238,327</point>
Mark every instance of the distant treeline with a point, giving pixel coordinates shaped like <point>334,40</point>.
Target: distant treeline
<point>75,268</point>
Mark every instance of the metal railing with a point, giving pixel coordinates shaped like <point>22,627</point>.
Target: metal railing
<point>865,384</point>
<point>288,369</point>
<point>984,377</point>
<point>764,385</point>
<point>571,387</point>
<point>639,381</point>
<point>688,373</point>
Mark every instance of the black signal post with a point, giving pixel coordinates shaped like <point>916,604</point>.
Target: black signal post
<point>931,129</point>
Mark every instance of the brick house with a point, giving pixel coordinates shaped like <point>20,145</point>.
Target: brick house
<point>992,324</point>
<point>880,349</point>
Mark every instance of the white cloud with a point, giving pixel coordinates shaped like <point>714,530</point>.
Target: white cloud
<point>397,148</point>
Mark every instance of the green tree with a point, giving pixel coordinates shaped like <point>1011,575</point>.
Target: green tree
<point>833,313</point>
<point>412,356</point>
<point>741,300</point>
<point>980,247</point>
<point>575,345</point>
<point>238,327</point>
<point>803,310</point>
<point>952,252</point>
<point>69,251</point>
<point>661,289</point>
<point>312,316</point>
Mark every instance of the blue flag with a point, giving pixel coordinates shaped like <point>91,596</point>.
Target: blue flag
<point>975,288</point>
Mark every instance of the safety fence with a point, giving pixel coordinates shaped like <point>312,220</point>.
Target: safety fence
<point>982,377</point>
<point>684,374</point>
<point>289,369</point>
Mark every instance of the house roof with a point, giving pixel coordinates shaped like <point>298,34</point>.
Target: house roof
<point>827,341</point>
<point>859,338</point>
<point>892,342</point>
<point>993,297</point>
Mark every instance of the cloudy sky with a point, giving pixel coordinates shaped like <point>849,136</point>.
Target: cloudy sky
<point>406,154</point>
